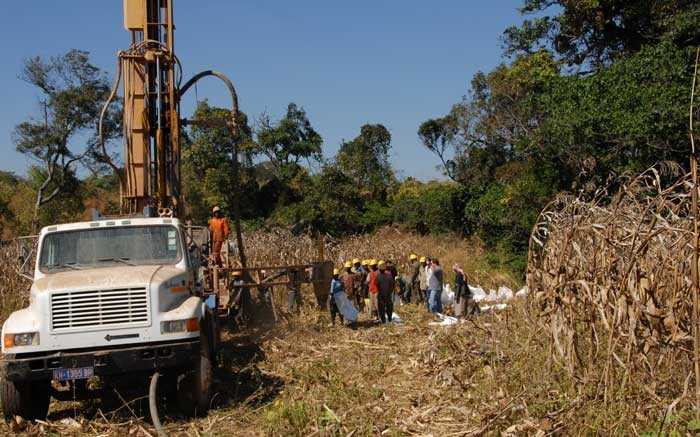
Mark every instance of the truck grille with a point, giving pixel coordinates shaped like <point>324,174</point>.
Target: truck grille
<point>85,309</point>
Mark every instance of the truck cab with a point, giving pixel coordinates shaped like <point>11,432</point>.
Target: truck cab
<point>115,299</point>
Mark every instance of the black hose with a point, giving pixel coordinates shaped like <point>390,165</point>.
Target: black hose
<point>153,406</point>
<point>234,154</point>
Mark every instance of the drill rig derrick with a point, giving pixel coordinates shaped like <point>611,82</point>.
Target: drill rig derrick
<point>151,177</point>
<point>150,181</point>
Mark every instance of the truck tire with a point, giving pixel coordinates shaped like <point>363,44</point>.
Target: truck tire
<point>194,388</point>
<point>30,400</point>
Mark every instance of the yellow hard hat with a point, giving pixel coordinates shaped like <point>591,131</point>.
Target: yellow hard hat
<point>336,272</point>
<point>381,265</point>
<point>356,260</point>
<point>422,259</point>
<point>365,262</point>
<point>413,256</point>
<point>348,264</point>
<point>373,262</point>
<point>236,273</point>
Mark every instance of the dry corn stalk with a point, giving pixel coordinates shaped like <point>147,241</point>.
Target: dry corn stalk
<point>611,279</point>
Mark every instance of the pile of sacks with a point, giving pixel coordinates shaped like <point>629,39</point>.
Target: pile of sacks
<point>495,298</point>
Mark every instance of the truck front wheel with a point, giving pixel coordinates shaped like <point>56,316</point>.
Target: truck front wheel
<point>194,388</point>
<point>30,400</point>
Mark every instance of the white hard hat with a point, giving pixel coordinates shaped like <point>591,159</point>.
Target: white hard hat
<point>216,209</point>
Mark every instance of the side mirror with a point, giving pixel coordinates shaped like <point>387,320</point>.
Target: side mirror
<point>24,267</point>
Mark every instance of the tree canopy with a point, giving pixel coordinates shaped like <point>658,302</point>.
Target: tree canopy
<point>72,93</point>
<point>586,91</point>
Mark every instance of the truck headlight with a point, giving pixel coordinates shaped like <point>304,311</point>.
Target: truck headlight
<point>26,339</point>
<point>175,326</point>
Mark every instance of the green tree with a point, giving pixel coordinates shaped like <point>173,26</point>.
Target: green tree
<point>528,128</point>
<point>432,207</point>
<point>624,118</point>
<point>72,94</point>
<point>331,205</point>
<point>207,164</point>
<point>365,160</point>
<point>288,142</point>
<point>600,32</point>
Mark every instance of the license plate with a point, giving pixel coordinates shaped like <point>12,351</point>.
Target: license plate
<point>77,373</point>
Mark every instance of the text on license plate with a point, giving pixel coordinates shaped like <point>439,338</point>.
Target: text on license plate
<point>77,373</point>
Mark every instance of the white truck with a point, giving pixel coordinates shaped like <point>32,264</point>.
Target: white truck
<point>116,300</point>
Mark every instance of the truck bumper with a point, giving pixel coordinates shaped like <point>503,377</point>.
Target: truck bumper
<point>106,362</point>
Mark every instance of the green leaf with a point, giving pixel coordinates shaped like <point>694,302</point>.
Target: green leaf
<point>694,425</point>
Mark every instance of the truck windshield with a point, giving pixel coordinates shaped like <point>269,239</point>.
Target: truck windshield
<point>100,247</point>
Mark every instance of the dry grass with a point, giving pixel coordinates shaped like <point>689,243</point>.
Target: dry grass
<point>493,375</point>
<point>489,376</point>
<point>611,283</point>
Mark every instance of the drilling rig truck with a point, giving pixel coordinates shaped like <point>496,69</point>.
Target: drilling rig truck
<point>120,299</point>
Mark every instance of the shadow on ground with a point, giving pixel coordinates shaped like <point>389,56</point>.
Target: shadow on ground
<point>237,382</point>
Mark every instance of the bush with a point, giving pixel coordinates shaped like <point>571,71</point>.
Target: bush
<point>432,207</point>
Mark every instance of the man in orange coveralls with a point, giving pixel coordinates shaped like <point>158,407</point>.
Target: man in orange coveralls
<point>219,229</point>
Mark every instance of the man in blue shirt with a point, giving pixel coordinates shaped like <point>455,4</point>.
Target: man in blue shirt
<point>337,286</point>
<point>435,282</point>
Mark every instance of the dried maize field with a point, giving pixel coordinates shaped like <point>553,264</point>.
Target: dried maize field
<point>611,283</point>
<point>281,247</point>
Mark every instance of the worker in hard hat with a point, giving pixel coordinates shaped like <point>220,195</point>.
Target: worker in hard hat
<point>348,278</point>
<point>423,280</point>
<point>337,286</point>
<point>413,285</point>
<point>219,230</point>
<point>364,285</point>
<point>384,282</point>
<point>356,265</point>
<point>372,289</point>
<point>360,273</point>
<point>365,270</point>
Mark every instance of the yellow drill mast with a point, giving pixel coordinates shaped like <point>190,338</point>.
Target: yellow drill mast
<point>150,181</point>
<point>151,175</point>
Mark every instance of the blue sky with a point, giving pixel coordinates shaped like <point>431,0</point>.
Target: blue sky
<point>395,62</point>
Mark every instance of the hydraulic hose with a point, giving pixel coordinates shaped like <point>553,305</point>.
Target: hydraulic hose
<point>235,133</point>
<point>153,405</point>
<point>112,94</point>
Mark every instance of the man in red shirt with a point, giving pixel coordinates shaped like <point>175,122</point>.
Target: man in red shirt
<point>220,230</point>
<point>373,290</point>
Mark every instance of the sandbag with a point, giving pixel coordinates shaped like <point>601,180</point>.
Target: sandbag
<point>448,296</point>
<point>478,293</point>
<point>346,308</point>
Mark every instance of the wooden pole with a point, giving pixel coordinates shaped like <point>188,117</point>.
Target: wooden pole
<point>696,244</point>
